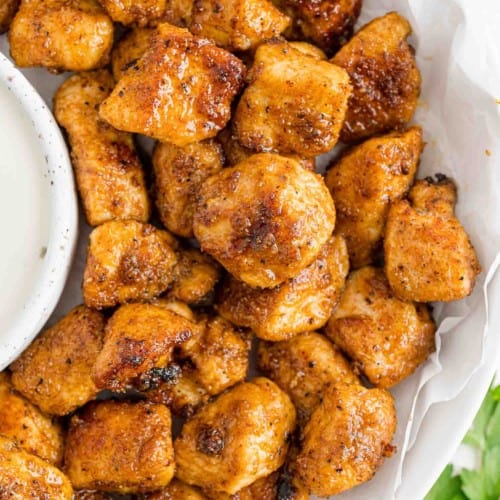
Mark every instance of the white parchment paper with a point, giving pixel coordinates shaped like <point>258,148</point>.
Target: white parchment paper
<point>457,46</point>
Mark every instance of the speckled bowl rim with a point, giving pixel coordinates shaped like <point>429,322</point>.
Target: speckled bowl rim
<point>63,217</point>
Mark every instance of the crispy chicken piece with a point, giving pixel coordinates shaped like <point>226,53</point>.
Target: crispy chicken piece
<point>91,495</point>
<point>304,367</point>
<point>265,219</point>
<point>127,261</point>
<point>294,103</point>
<point>236,439</point>
<point>54,371</point>
<point>71,35</point>
<point>138,339</point>
<point>179,173</point>
<point>384,76</point>
<point>8,9</point>
<point>27,426</point>
<point>387,338</point>
<point>265,488</point>
<point>238,24</point>
<point>326,23</point>
<point>346,439</point>
<point>309,49</point>
<point>108,170</point>
<point>212,360</point>
<point>182,80</point>
<point>179,12</point>
<point>129,50</point>
<point>300,304</point>
<point>428,255</point>
<point>176,490</point>
<point>364,182</point>
<point>135,12</point>
<point>195,276</point>
<point>23,475</point>
<point>134,447</point>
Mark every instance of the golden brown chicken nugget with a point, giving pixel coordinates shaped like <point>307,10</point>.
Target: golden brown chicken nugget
<point>236,439</point>
<point>91,495</point>
<point>108,170</point>
<point>71,35</point>
<point>134,447</point>
<point>27,426</point>
<point>8,9</point>
<point>179,12</point>
<point>428,254</point>
<point>387,338</point>
<point>129,49</point>
<point>176,490</point>
<point>237,24</point>
<point>135,12</point>
<point>265,219</point>
<point>304,367</point>
<point>127,261</point>
<point>346,439</point>
<point>365,181</point>
<point>138,338</point>
<point>384,77</point>
<point>182,80</point>
<point>24,476</point>
<point>294,103</point>
<point>179,174</point>
<point>54,371</point>
<point>300,304</point>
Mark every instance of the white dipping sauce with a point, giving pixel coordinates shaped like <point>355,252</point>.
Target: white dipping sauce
<point>23,208</point>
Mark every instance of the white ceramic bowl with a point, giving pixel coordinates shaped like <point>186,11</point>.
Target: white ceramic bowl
<point>38,213</point>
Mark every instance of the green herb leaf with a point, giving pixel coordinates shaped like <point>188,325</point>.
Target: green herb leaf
<point>446,487</point>
<point>493,429</point>
<point>473,485</point>
<point>491,471</point>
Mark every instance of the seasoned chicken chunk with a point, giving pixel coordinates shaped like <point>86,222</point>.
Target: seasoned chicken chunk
<point>127,261</point>
<point>182,80</point>
<point>91,495</point>
<point>387,338</point>
<point>265,219</point>
<point>176,490</point>
<point>8,9</point>
<point>304,367</point>
<point>134,441</point>
<point>179,173</point>
<point>236,439</point>
<point>23,475</point>
<point>326,23</point>
<point>237,24</point>
<point>129,49</point>
<point>138,338</point>
<point>346,439</point>
<point>71,35</point>
<point>213,359</point>
<point>309,49</point>
<point>135,12</point>
<point>300,304</point>
<point>265,488</point>
<point>428,255</point>
<point>54,371</point>
<point>294,103</point>
<point>384,76</point>
<point>108,170</point>
<point>179,12</point>
<point>364,182</point>
<point>27,426</point>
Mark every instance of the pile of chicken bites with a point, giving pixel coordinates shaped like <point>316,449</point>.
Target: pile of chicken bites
<point>227,238</point>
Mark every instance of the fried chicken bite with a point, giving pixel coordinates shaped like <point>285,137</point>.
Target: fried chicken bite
<point>236,439</point>
<point>300,304</point>
<point>127,261</point>
<point>54,371</point>
<point>265,488</point>
<point>129,49</point>
<point>294,103</point>
<point>346,439</point>
<point>428,255</point>
<point>387,338</point>
<point>309,49</point>
<point>176,490</point>
<point>23,475</point>
<point>8,9</point>
<point>304,367</point>
<point>265,219</point>
<point>134,440</point>
<point>179,12</point>
<point>108,170</point>
<point>66,35</point>
<point>326,23</point>
<point>138,339</point>
<point>183,80</point>
<point>139,13</point>
<point>384,77</point>
<point>27,426</point>
<point>179,173</point>
<point>365,181</point>
<point>237,24</point>
<point>91,495</point>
